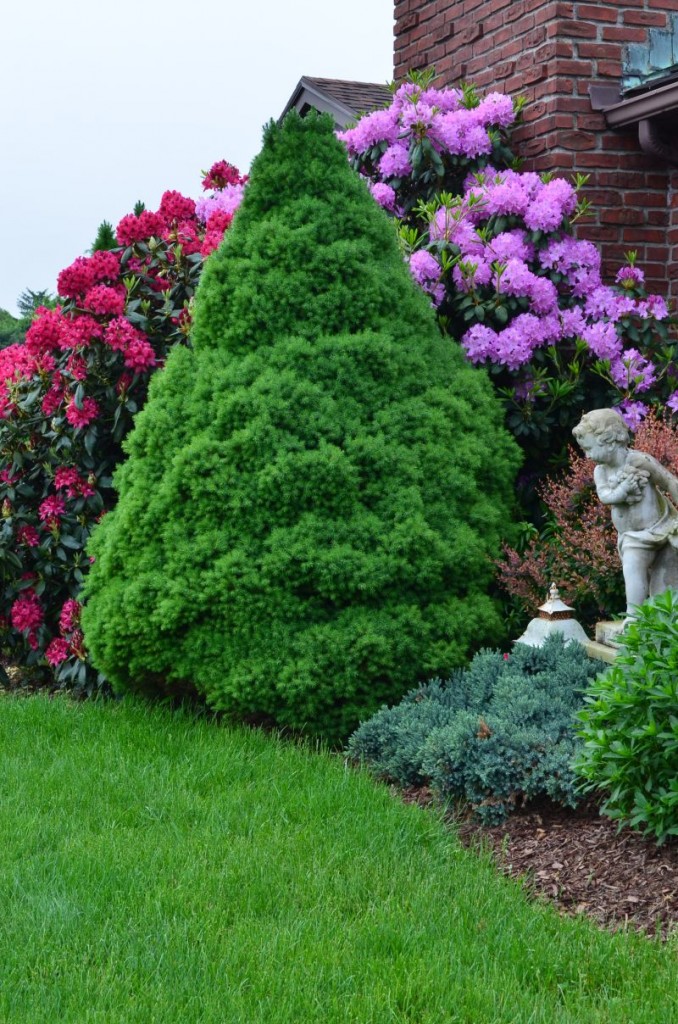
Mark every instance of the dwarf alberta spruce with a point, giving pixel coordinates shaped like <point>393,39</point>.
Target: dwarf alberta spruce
<point>313,491</point>
<point>67,398</point>
<point>495,250</point>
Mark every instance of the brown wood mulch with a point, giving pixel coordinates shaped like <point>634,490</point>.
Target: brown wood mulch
<point>579,861</point>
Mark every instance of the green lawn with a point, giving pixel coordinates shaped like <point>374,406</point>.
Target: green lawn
<point>156,868</point>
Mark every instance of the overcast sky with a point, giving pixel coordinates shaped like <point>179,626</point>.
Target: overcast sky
<point>101,105</point>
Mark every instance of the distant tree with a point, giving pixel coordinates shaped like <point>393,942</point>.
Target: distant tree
<point>29,301</point>
<point>139,208</point>
<point>12,330</point>
<point>105,238</point>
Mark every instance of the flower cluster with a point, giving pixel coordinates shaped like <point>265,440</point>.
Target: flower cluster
<point>533,286</point>
<point>67,398</point>
<point>426,140</point>
<point>496,251</point>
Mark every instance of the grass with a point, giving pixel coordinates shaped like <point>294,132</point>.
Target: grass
<point>156,868</point>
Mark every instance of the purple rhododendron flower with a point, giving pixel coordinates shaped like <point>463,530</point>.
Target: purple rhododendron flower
<point>496,108</point>
<point>225,201</point>
<point>384,194</point>
<point>632,370</point>
<point>480,343</point>
<point>511,245</point>
<point>426,272</point>
<point>629,276</point>
<point>379,126</point>
<point>395,162</point>
<point>632,413</point>
<point>602,339</point>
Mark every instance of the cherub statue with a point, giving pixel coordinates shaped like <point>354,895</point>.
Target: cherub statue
<point>637,488</point>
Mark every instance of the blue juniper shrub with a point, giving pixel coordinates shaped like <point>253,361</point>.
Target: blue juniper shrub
<point>495,734</point>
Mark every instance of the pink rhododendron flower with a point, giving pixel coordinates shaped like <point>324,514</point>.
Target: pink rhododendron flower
<point>220,175</point>
<point>57,651</point>
<point>27,612</point>
<point>28,535</point>
<point>81,417</point>
<point>16,362</point>
<point>105,301</point>
<point>77,367</point>
<point>139,355</point>
<point>216,226</point>
<point>68,478</point>
<point>77,645</point>
<point>133,229</point>
<point>77,279</point>
<point>174,206</point>
<point>70,616</point>
<point>86,271</point>
<point>105,265</point>
<point>51,510</point>
<point>54,397</point>
<point>119,333</point>
<point>44,334</point>
<point>79,331</point>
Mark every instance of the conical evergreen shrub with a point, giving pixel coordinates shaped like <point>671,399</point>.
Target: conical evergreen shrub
<point>314,492</point>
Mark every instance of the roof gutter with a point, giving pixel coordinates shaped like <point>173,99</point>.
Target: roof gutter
<point>649,111</point>
<point>642,108</point>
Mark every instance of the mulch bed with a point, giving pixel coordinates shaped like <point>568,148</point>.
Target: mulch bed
<point>581,863</point>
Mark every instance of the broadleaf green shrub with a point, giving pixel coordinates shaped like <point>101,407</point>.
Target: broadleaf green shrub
<point>314,491</point>
<point>629,725</point>
<point>495,734</point>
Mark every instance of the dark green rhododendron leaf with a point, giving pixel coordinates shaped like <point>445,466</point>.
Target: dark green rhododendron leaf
<point>314,492</point>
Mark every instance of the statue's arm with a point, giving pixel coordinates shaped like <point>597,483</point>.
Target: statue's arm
<point>616,495</point>
<point>659,475</point>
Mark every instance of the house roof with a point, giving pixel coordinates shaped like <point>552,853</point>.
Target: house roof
<point>344,100</point>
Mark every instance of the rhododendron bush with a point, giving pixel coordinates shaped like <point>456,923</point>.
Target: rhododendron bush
<point>495,250</point>
<point>67,398</point>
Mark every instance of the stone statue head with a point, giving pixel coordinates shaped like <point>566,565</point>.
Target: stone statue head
<point>606,425</point>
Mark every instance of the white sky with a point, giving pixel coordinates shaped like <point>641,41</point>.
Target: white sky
<point>104,104</point>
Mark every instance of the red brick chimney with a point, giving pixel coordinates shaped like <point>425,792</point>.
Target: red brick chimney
<point>559,55</point>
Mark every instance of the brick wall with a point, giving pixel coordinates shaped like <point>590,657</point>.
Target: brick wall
<point>552,51</point>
